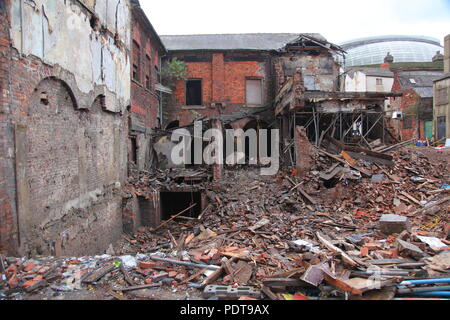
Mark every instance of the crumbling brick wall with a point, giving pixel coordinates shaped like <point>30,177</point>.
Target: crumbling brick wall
<point>63,145</point>
<point>320,72</point>
<point>409,127</point>
<point>8,225</point>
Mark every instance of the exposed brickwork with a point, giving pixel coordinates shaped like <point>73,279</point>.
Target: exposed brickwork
<point>223,81</point>
<point>410,127</point>
<point>61,155</point>
<point>322,70</point>
<point>145,101</point>
<point>8,226</point>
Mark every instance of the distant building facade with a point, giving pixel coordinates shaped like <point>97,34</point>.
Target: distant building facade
<point>442,98</point>
<point>368,80</point>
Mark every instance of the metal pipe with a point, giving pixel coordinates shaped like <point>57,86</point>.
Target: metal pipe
<point>184,263</point>
<point>434,293</point>
<point>421,290</point>
<point>424,281</point>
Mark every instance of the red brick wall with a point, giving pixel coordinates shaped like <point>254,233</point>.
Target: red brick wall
<point>145,102</point>
<point>223,81</point>
<point>405,104</point>
<point>8,226</point>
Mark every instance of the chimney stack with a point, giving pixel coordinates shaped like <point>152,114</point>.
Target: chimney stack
<point>447,54</point>
<point>438,57</point>
<point>389,58</point>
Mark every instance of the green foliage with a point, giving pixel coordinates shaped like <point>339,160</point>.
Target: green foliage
<point>173,71</point>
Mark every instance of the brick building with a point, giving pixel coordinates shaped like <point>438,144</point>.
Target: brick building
<point>441,115</point>
<point>416,104</point>
<point>65,91</point>
<point>147,52</point>
<point>227,74</point>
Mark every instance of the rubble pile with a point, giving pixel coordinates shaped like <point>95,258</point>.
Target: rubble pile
<point>349,229</point>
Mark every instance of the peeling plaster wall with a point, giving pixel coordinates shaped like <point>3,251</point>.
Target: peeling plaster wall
<point>356,84</point>
<point>64,93</point>
<point>58,31</point>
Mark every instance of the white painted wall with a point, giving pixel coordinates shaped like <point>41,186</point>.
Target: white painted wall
<point>363,83</point>
<point>357,83</point>
<point>385,87</point>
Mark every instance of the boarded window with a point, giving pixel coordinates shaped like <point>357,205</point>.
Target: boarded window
<point>194,92</point>
<point>254,92</point>
<point>136,61</point>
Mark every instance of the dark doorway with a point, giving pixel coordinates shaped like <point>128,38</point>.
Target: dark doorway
<point>194,92</point>
<point>173,203</point>
<point>133,151</point>
<point>173,125</point>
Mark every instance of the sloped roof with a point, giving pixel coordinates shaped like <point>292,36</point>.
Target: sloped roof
<point>243,41</point>
<point>374,72</point>
<point>420,81</point>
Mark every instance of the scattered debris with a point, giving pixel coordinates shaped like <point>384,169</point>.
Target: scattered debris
<point>347,229</point>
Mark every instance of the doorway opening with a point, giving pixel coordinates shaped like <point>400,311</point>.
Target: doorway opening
<point>173,203</point>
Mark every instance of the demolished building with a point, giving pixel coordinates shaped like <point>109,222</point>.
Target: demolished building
<point>252,82</point>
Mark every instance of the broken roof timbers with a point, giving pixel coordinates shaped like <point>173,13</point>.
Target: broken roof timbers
<point>307,42</point>
<point>337,95</point>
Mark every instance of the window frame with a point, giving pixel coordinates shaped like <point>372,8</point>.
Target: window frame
<point>261,80</point>
<point>148,76</point>
<point>186,92</point>
<point>136,75</point>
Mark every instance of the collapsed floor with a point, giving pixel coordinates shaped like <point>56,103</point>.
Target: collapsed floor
<point>353,230</point>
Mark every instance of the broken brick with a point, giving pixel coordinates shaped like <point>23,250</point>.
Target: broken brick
<point>29,267</point>
<point>146,265</point>
<point>391,223</point>
<point>409,249</point>
<point>364,252</point>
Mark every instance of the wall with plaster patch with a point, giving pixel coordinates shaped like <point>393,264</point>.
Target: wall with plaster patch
<point>63,117</point>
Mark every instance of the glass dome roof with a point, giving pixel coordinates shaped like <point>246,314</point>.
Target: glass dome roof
<point>370,51</point>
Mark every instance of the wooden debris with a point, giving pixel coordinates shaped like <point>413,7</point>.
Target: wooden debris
<point>335,249</point>
<point>100,273</point>
<point>175,216</point>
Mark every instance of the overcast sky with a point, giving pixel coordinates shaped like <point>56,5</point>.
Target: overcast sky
<point>337,20</point>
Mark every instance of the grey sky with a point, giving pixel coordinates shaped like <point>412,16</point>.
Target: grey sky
<point>337,20</point>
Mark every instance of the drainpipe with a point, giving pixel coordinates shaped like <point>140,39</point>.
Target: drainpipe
<point>160,94</point>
